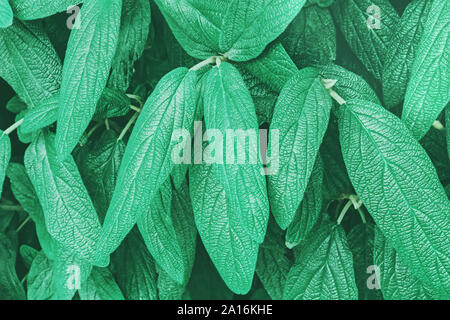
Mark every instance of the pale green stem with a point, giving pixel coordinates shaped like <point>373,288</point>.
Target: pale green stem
<point>13,127</point>
<point>23,224</point>
<point>128,126</point>
<point>344,211</point>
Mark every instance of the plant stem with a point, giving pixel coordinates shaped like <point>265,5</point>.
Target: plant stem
<point>363,216</point>
<point>211,60</point>
<point>344,211</point>
<point>23,224</point>
<point>10,207</point>
<point>13,127</point>
<point>438,125</point>
<point>128,126</point>
<point>328,85</point>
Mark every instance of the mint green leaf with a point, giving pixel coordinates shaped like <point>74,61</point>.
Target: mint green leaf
<point>249,26</point>
<point>361,243</point>
<point>134,29</point>
<point>112,103</point>
<point>6,14</point>
<point>135,269</point>
<point>5,157</point>
<point>195,24</point>
<point>311,37</point>
<point>398,185</point>
<point>274,262</point>
<point>427,93</point>
<point>324,268</point>
<point>158,232</point>
<point>39,279</point>
<point>100,285</point>
<point>301,116</point>
<point>368,40</point>
<point>99,161</point>
<point>226,240</point>
<point>447,122</point>
<point>147,161</point>
<point>349,85</point>
<point>229,106</point>
<point>25,194</point>
<point>93,44</point>
<point>30,64</point>
<point>16,105</point>
<point>10,286</point>
<point>36,9</point>
<point>396,280</point>
<point>273,67</point>
<point>310,209</point>
<point>28,254</point>
<point>70,216</point>
<point>402,50</point>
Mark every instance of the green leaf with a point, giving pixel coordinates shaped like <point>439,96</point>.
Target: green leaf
<point>229,111</point>
<point>361,243</point>
<point>30,64</point>
<point>311,37</point>
<point>112,103</point>
<point>398,185</point>
<point>226,240</point>
<point>402,50</point>
<point>349,85</point>
<point>28,254</point>
<point>135,269</point>
<point>134,29</point>
<point>25,194</point>
<point>195,24</point>
<point>70,216</point>
<point>158,232</point>
<point>447,122</point>
<point>16,105</point>
<point>5,157</point>
<point>249,26</point>
<point>99,163</point>
<point>274,263</point>
<point>100,285</point>
<point>6,14</point>
<point>427,93</point>
<point>301,116</point>
<point>39,279</point>
<point>10,286</point>
<point>310,209</point>
<point>396,280</point>
<point>147,161</point>
<point>37,9</point>
<point>273,67</point>
<point>323,269</point>
<point>435,145</point>
<point>93,44</point>
<point>358,22</point>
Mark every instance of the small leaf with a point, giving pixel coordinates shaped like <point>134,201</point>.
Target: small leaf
<point>6,14</point>
<point>93,44</point>
<point>323,269</point>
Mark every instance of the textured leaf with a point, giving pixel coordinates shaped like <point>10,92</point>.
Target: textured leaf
<point>427,93</point>
<point>361,243</point>
<point>93,44</point>
<point>396,279</point>
<point>70,216</point>
<point>301,116</point>
<point>402,50</point>
<point>135,269</point>
<point>368,41</point>
<point>229,106</point>
<point>226,240</point>
<point>6,14</point>
<point>147,162</point>
<point>274,263</point>
<point>310,209</point>
<point>324,268</point>
<point>28,254</point>
<point>435,145</point>
<point>447,122</point>
<point>30,64</point>
<point>311,37</point>
<point>5,157</point>
<point>274,67</point>
<point>10,286</point>
<point>25,194</point>
<point>36,9</point>
<point>39,279</point>
<point>134,29</point>
<point>397,183</point>
<point>16,105</point>
<point>249,26</point>
<point>99,163</point>
<point>100,286</point>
